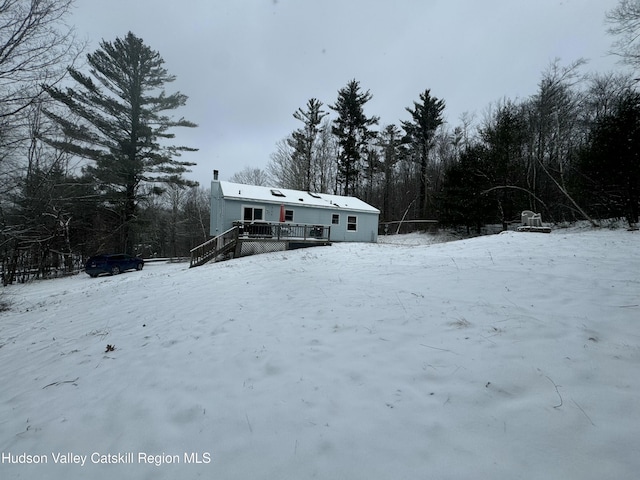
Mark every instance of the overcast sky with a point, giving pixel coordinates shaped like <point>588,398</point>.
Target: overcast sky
<point>248,65</point>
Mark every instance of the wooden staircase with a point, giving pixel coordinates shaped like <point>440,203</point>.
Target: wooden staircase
<point>223,244</point>
<point>260,237</point>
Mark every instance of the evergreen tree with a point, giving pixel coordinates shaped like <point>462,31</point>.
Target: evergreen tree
<point>426,117</point>
<point>352,130</point>
<point>304,138</point>
<point>463,201</point>
<point>505,138</point>
<point>122,126</point>
<point>610,162</point>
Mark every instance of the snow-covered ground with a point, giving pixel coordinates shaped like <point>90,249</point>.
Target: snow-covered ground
<point>513,356</point>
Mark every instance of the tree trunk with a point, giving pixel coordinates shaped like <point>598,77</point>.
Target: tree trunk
<point>423,181</point>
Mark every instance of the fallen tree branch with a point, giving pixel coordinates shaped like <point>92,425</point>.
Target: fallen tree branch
<point>484,192</point>
<point>61,382</point>
<point>566,194</point>
<point>556,387</point>
<point>585,413</point>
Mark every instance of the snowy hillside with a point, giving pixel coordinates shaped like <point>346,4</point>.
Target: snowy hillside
<point>503,357</point>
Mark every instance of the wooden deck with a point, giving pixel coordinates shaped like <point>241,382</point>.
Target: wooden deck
<point>526,228</point>
<point>252,238</point>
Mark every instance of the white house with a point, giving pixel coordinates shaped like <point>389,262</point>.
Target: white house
<point>350,219</point>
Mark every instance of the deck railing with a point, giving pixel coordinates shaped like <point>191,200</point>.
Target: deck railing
<point>231,240</point>
<point>283,231</point>
<point>214,247</point>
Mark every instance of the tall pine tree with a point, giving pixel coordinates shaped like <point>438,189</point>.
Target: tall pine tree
<point>352,130</point>
<point>426,117</point>
<point>122,126</point>
<point>303,139</point>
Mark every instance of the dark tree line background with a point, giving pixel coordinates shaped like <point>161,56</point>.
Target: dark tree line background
<point>570,152</point>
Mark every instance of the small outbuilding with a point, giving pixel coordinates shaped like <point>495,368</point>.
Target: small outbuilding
<point>347,219</point>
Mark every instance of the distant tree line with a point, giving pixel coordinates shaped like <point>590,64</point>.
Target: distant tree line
<point>87,163</point>
<point>570,151</point>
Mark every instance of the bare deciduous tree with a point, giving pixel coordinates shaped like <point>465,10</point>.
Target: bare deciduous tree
<point>325,160</point>
<point>251,176</point>
<point>282,168</point>
<point>35,47</point>
<point>285,169</point>
<point>624,21</point>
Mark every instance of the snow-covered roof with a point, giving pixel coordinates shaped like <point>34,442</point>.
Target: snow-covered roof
<point>294,197</point>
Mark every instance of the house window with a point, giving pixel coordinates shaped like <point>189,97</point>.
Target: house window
<point>288,215</point>
<point>251,214</point>
<point>335,219</point>
<point>352,223</point>
<point>277,193</point>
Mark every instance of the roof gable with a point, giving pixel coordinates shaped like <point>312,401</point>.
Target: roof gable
<point>293,197</point>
